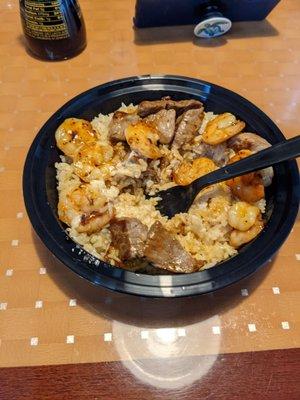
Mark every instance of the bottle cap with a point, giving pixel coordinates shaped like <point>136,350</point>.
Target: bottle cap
<point>212,27</point>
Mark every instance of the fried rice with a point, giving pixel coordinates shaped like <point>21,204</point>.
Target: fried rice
<point>203,231</point>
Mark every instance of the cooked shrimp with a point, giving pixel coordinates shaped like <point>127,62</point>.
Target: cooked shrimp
<point>240,155</point>
<point>72,134</point>
<point>87,199</point>
<point>94,221</point>
<point>90,156</point>
<point>242,216</point>
<point>102,157</point>
<point>237,238</point>
<point>255,143</point>
<point>143,138</point>
<point>248,187</point>
<point>246,179</point>
<point>221,128</point>
<point>189,171</point>
<point>85,208</point>
<point>249,193</point>
<point>94,154</point>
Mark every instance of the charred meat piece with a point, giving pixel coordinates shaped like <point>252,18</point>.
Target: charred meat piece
<point>119,123</point>
<point>184,105</point>
<point>128,236</point>
<point>164,251</point>
<point>188,125</point>
<point>146,107</point>
<point>164,123</point>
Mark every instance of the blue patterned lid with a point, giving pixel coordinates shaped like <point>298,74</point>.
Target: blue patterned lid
<point>212,27</point>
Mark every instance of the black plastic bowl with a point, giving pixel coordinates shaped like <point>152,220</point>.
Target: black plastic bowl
<point>39,186</point>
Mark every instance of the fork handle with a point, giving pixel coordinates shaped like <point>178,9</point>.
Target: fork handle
<point>274,154</point>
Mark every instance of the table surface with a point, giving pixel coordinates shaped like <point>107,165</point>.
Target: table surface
<point>61,338</point>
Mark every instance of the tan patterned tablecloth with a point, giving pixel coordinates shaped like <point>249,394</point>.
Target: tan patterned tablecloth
<point>50,316</point>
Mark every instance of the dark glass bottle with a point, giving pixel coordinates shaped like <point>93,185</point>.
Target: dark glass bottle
<point>54,29</point>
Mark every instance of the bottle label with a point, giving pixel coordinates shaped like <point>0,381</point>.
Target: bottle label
<point>44,19</point>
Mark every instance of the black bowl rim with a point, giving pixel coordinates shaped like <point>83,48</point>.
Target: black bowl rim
<point>168,285</point>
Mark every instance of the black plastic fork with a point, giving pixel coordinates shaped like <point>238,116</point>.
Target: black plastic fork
<point>179,198</point>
